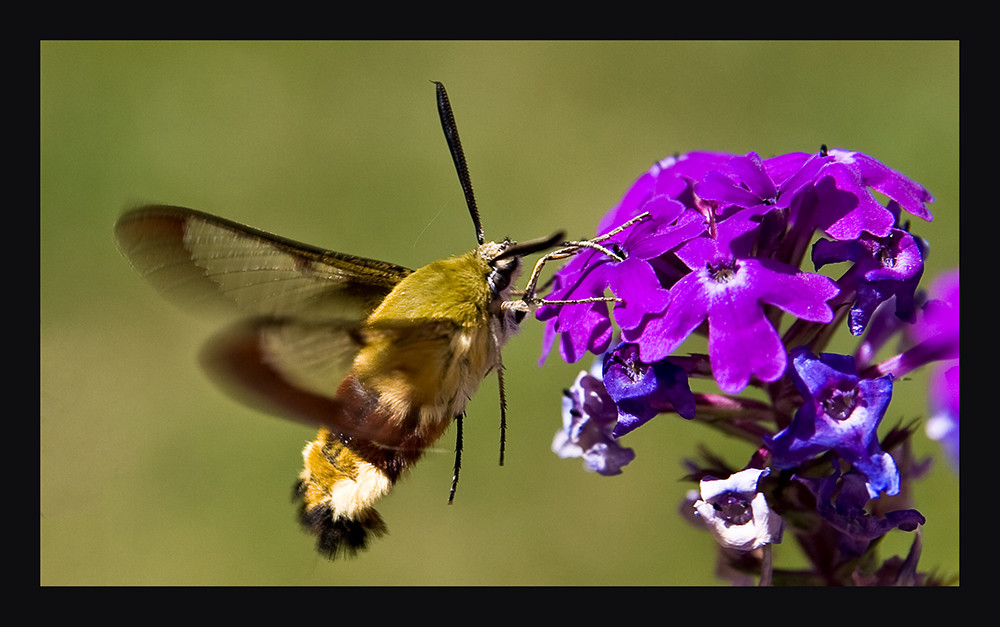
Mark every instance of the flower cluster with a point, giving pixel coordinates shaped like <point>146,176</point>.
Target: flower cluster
<point>729,247</point>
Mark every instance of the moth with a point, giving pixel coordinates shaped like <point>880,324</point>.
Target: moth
<point>381,357</point>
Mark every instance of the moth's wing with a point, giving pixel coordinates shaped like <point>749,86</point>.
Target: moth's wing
<point>298,309</point>
<point>203,262</point>
<point>283,367</point>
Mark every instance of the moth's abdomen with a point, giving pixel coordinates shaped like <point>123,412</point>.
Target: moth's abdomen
<point>346,472</point>
<point>338,489</point>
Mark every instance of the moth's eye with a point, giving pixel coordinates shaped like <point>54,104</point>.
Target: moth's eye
<point>503,270</point>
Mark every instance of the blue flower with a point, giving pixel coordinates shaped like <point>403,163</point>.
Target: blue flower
<point>642,390</point>
<point>589,417</point>
<point>883,267</point>
<point>841,500</point>
<point>737,511</point>
<point>840,412</point>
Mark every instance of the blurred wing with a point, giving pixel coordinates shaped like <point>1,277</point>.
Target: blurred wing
<point>286,368</point>
<point>300,308</point>
<point>292,369</point>
<point>208,263</point>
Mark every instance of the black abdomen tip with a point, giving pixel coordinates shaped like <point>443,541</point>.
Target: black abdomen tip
<point>339,536</point>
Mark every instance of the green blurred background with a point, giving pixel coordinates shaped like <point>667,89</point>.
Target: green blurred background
<point>151,476</point>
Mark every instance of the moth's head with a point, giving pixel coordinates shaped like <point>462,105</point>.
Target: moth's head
<point>504,259</point>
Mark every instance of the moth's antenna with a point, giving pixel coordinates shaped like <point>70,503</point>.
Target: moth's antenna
<point>455,146</point>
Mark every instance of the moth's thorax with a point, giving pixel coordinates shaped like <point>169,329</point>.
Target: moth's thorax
<point>466,289</point>
<point>428,384</point>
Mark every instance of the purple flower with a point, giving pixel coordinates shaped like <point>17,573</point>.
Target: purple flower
<point>943,422</point>
<point>590,331</point>
<point>628,275</point>
<point>642,390</point>
<point>935,333</point>
<point>669,179</point>
<point>883,327</point>
<point>730,289</point>
<point>841,501</point>
<point>642,264</point>
<point>737,512</point>
<point>883,267</point>
<point>747,182</point>
<point>786,171</point>
<point>939,323</point>
<point>842,204</point>
<point>589,417</point>
<point>938,327</point>
<point>840,412</point>
<point>631,278</point>
<point>714,244</point>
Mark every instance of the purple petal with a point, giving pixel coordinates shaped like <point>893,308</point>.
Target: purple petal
<point>636,284</point>
<point>742,342</point>
<point>802,294</point>
<point>848,207</point>
<point>659,336</point>
<point>909,194</point>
